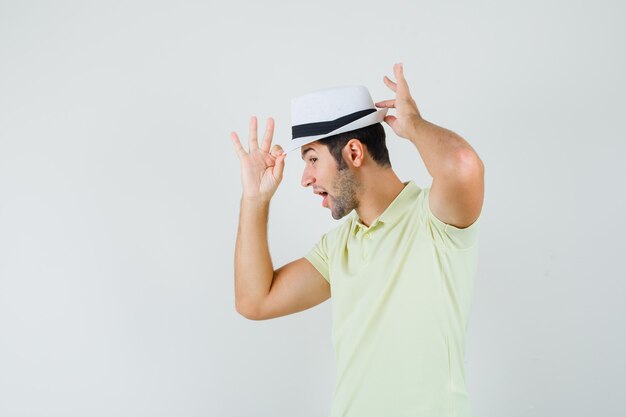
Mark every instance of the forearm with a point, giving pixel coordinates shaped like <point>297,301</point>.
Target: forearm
<point>253,264</point>
<point>444,152</point>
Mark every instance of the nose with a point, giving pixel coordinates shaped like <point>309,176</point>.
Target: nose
<point>307,178</point>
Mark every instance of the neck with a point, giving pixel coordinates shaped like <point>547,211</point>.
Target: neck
<point>379,187</point>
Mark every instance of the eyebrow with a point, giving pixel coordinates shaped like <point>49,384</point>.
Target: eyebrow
<point>305,151</point>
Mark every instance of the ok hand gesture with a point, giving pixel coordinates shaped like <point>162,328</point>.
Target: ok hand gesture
<point>261,170</point>
<point>407,114</point>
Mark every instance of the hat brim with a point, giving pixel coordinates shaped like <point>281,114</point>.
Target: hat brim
<point>368,120</point>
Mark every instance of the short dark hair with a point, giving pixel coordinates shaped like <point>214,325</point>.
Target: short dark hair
<point>373,137</point>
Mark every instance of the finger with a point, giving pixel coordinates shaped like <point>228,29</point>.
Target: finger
<point>267,137</point>
<point>387,103</point>
<point>238,148</point>
<point>254,142</point>
<point>277,150</point>
<point>390,83</point>
<point>398,70</point>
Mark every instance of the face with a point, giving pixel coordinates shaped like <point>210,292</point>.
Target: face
<point>337,187</point>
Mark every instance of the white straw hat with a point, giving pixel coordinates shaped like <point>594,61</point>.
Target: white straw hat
<point>328,112</point>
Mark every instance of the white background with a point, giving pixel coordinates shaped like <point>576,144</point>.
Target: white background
<point>119,197</point>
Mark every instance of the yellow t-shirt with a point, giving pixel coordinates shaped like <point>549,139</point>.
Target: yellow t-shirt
<point>401,293</point>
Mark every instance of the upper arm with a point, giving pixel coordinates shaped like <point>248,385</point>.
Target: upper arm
<point>457,199</point>
<point>296,286</point>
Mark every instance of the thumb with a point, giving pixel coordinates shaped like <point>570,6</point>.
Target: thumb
<point>390,120</point>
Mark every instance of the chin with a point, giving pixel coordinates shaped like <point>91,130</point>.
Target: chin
<point>338,216</point>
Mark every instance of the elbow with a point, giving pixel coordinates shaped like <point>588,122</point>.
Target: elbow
<point>247,312</point>
<point>467,164</point>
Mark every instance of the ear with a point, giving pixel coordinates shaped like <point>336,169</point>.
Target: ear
<point>354,152</point>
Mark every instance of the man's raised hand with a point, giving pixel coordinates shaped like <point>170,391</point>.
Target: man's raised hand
<point>261,169</point>
<point>407,113</point>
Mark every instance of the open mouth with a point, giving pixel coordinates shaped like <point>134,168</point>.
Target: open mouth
<point>325,200</point>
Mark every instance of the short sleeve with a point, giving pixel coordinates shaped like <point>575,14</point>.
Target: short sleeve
<point>318,256</point>
<point>450,236</point>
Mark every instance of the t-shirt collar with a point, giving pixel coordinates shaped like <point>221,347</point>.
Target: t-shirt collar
<point>394,210</point>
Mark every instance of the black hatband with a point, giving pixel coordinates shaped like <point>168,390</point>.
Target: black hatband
<point>321,128</point>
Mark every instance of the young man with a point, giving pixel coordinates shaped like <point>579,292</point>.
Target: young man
<point>401,266</point>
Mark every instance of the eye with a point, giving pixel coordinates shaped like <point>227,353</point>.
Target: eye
<point>312,160</point>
